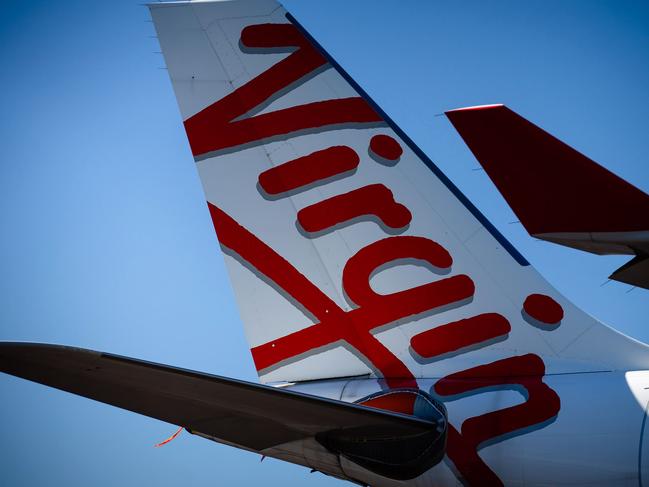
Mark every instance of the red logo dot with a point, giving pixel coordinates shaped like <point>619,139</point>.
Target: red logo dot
<point>543,308</point>
<point>386,148</point>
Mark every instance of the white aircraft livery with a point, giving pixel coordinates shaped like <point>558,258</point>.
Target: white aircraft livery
<point>399,339</point>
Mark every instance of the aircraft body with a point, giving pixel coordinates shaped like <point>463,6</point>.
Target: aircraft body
<point>404,340</point>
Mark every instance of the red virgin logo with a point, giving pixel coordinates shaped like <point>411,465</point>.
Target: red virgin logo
<point>224,127</point>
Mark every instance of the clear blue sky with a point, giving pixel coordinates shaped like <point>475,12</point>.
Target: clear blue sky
<point>107,243</point>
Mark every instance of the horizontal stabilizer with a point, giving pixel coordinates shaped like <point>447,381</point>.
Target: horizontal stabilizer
<point>250,416</point>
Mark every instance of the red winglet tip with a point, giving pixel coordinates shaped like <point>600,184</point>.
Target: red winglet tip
<point>475,107</point>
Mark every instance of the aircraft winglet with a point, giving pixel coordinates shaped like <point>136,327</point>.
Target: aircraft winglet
<point>558,194</point>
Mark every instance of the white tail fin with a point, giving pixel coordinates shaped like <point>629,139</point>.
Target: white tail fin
<point>349,251</point>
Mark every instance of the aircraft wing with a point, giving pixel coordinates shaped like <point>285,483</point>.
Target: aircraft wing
<point>559,194</point>
<point>254,417</point>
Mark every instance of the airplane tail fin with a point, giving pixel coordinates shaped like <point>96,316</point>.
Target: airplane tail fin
<point>350,252</point>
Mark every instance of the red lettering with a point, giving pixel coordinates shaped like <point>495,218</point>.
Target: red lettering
<point>542,404</point>
<point>365,262</point>
<point>385,149</point>
<point>455,336</point>
<point>231,122</point>
<point>375,200</point>
<point>353,327</point>
<point>467,461</point>
<point>304,171</point>
<point>545,310</point>
<point>216,127</point>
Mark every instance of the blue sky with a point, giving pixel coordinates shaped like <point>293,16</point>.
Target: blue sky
<point>107,243</point>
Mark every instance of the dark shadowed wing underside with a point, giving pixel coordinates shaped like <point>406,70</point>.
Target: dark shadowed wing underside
<point>250,416</point>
